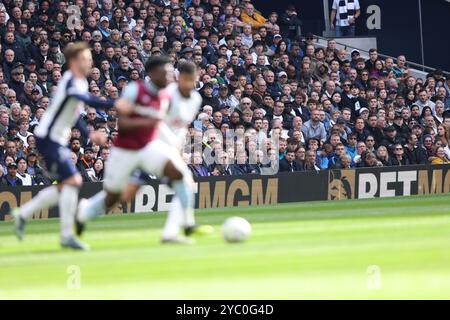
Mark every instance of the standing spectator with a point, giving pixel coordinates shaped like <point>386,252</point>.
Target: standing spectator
<point>290,23</point>
<point>344,13</point>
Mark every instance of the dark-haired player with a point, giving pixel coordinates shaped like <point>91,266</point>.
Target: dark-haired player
<point>140,109</point>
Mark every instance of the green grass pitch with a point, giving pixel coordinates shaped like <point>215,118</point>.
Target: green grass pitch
<point>365,249</point>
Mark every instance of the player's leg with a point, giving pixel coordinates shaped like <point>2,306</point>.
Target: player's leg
<point>166,162</point>
<point>57,158</point>
<point>68,204</point>
<point>174,219</point>
<point>183,187</point>
<point>137,179</point>
<point>117,172</point>
<point>45,199</point>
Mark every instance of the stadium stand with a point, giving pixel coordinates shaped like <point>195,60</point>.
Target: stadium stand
<point>268,92</point>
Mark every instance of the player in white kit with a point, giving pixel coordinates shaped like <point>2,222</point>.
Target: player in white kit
<point>52,137</point>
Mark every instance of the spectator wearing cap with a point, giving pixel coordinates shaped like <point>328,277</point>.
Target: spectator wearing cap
<point>30,67</point>
<point>400,125</point>
<point>11,179</point>
<point>223,96</point>
<point>42,83</point>
<point>391,138</point>
<point>86,160</point>
<point>34,170</point>
<point>103,27</point>
<point>55,53</point>
<point>208,98</point>
<point>354,55</point>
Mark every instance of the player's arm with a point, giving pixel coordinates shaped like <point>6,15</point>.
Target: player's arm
<point>94,136</point>
<point>91,100</point>
<point>124,110</point>
<point>125,107</point>
<point>126,123</point>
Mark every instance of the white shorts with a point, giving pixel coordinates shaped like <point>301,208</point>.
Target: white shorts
<point>152,159</point>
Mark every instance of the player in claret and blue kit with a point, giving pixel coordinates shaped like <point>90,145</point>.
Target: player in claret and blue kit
<point>141,108</point>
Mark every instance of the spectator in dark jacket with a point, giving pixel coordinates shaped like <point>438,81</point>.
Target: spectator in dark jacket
<point>399,158</point>
<point>415,153</point>
<point>290,23</point>
<point>288,163</point>
<point>197,167</point>
<point>11,179</point>
<point>10,42</point>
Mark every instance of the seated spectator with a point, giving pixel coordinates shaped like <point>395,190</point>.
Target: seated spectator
<point>95,173</point>
<point>22,174</point>
<point>383,156</point>
<point>11,179</point>
<point>197,167</point>
<point>399,158</point>
<point>288,163</point>
<point>440,157</point>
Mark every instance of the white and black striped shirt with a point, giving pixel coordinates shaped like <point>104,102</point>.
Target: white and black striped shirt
<point>345,10</point>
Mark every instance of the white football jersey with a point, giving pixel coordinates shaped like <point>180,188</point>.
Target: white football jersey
<point>64,110</point>
<point>181,113</point>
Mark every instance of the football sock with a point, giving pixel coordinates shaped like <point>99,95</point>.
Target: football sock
<point>94,207</point>
<point>186,197</point>
<point>174,219</point>
<point>68,203</point>
<point>45,199</point>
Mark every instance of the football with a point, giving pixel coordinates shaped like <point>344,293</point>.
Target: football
<point>236,229</point>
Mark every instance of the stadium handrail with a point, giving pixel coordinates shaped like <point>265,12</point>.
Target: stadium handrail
<point>416,66</point>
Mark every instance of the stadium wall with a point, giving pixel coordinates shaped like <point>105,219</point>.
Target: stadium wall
<point>250,190</point>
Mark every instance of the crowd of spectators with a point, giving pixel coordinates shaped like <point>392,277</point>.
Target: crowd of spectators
<point>327,108</point>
